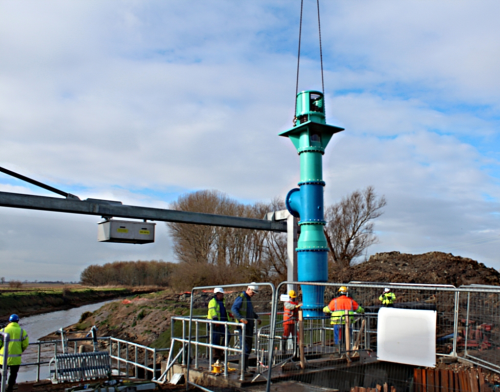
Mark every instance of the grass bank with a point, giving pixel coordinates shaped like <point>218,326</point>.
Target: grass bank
<point>36,300</point>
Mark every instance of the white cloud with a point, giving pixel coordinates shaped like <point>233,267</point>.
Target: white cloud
<point>108,100</point>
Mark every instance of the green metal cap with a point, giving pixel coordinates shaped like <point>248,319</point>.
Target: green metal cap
<point>310,107</point>
<point>310,129</point>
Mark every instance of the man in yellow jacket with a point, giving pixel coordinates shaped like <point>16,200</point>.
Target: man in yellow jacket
<point>217,311</point>
<point>18,342</point>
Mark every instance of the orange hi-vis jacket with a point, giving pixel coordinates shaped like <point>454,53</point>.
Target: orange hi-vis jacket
<point>289,315</point>
<point>339,305</point>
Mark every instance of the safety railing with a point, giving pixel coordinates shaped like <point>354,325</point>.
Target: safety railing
<point>126,357</point>
<point>202,343</point>
<point>242,342</point>
<point>5,338</point>
<point>133,355</point>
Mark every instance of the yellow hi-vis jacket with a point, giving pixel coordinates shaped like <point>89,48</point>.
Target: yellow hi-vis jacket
<point>387,298</point>
<point>17,344</point>
<point>214,310</point>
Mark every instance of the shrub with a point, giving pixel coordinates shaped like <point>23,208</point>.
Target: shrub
<point>84,316</point>
<point>15,284</point>
<point>141,315</point>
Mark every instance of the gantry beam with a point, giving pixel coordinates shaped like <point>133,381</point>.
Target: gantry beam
<point>116,209</point>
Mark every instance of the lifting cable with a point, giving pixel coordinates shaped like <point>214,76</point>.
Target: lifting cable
<point>298,55</point>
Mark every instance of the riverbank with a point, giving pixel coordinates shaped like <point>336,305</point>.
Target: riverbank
<point>35,301</point>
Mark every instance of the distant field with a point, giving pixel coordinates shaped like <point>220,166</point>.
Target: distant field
<point>54,288</point>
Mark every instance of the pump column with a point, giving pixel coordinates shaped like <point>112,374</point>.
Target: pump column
<point>310,135</point>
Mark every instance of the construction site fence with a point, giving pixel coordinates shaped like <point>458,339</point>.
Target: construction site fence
<point>468,321</point>
<point>468,317</point>
<point>267,316</point>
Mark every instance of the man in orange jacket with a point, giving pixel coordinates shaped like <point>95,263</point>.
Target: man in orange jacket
<point>290,315</point>
<point>337,308</point>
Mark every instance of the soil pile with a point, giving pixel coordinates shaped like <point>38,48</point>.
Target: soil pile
<point>431,268</point>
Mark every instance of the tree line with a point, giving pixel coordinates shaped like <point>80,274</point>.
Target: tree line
<point>210,255</point>
<point>128,273</point>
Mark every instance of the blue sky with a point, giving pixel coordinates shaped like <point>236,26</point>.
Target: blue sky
<point>141,101</point>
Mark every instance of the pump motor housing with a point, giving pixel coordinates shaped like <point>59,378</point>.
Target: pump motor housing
<point>128,232</point>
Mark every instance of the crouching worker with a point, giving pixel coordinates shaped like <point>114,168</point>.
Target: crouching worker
<point>18,342</point>
<point>217,311</point>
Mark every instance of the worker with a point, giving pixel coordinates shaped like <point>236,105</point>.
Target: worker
<point>387,298</point>
<point>18,342</point>
<point>217,311</point>
<point>337,308</point>
<point>244,313</point>
<point>290,314</point>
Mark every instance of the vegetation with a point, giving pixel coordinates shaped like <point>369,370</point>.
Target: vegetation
<point>15,284</point>
<point>349,228</point>
<point>221,255</point>
<point>128,273</point>
<point>211,255</point>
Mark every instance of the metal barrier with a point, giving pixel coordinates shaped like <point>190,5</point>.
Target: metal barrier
<point>80,367</point>
<point>6,340</point>
<point>123,354</point>
<point>203,341</point>
<point>468,320</point>
<point>190,334</point>
<point>121,351</point>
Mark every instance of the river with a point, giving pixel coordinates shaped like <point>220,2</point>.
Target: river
<point>41,325</point>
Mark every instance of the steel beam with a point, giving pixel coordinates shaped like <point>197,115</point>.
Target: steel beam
<point>116,209</point>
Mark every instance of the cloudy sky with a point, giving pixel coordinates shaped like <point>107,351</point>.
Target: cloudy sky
<point>142,101</point>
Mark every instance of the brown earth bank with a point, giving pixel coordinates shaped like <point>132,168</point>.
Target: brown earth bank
<point>430,268</point>
<point>29,303</point>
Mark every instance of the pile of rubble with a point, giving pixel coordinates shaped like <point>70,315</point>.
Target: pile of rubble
<point>431,268</point>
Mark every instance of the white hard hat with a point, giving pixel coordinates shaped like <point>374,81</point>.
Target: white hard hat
<point>254,288</point>
<point>386,290</point>
<point>219,290</point>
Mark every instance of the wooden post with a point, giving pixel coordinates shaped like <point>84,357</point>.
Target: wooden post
<point>347,332</point>
<point>361,330</point>
<point>301,340</point>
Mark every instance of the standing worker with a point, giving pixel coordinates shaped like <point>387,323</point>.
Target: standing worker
<point>243,312</point>
<point>290,315</point>
<point>337,308</point>
<point>17,344</point>
<point>217,311</point>
<point>387,298</point>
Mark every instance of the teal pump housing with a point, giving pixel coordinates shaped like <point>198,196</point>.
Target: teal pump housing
<point>310,135</point>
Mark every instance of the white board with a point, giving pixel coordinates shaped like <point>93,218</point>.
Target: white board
<point>407,336</point>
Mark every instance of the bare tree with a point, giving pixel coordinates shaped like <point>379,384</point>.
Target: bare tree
<point>349,228</point>
<point>220,255</point>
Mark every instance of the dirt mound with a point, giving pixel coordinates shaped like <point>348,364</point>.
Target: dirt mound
<point>431,268</point>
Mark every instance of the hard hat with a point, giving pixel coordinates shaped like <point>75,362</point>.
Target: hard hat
<point>254,288</point>
<point>292,294</point>
<point>14,318</point>
<point>386,290</point>
<point>219,290</point>
<point>343,289</point>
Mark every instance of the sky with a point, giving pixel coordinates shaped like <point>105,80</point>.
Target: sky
<point>144,101</point>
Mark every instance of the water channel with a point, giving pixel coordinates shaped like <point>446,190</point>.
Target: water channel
<point>43,324</point>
